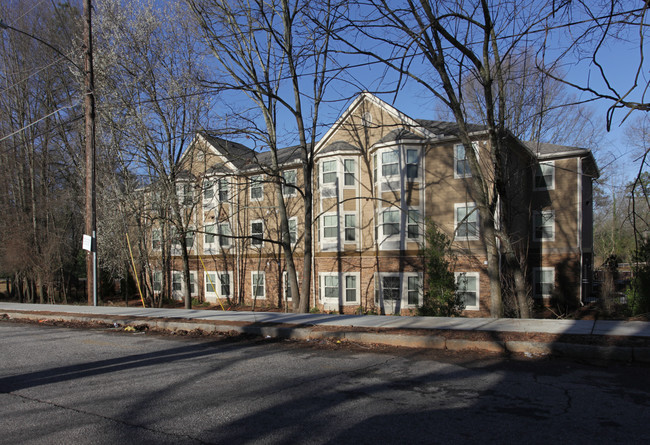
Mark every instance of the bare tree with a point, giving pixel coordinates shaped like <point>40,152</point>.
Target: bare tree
<point>443,46</point>
<point>149,65</point>
<point>271,51</point>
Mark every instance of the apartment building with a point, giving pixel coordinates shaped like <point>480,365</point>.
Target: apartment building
<point>379,177</point>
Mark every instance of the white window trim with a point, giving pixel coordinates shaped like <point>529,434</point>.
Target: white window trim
<point>537,169</point>
<point>403,288</point>
<point>207,285</point>
<point>356,228</point>
<point>207,202</point>
<point>261,243</point>
<point>217,189</point>
<point>466,175</point>
<point>380,167</point>
<point>541,214</point>
<point>535,273</point>
<point>285,285</point>
<point>322,172</point>
<point>293,218</point>
<point>321,287</point>
<point>456,222</point>
<point>399,222</point>
<point>344,289</point>
<point>418,164</point>
<point>331,239</point>
<point>258,184</point>
<point>418,223</point>
<point>178,294</point>
<point>355,172</point>
<point>477,275</point>
<point>153,277</point>
<point>290,190</point>
<point>257,272</point>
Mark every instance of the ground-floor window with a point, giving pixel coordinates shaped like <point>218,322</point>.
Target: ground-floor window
<point>258,284</point>
<point>544,281</point>
<point>399,289</point>
<point>467,287</point>
<point>338,288</point>
<point>218,284</point>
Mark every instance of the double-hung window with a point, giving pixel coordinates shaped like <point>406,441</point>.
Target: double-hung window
<point>224,234</point>
<point>390,288</point>
<point>350,227</point>
<point>413,224</point>
<point>156,241</point>
<point>331,286</point>
<point>256,188</point>
<point>351,289</point>
<point>390,163</point>
<point>208,191</point>
<point>412,163</point>
<point>467,288</point>
<point>544,281</point>
<point>390,222</point>
<point>258,282</point>
<point>329,172</point>
<point>223,189</point>
<point>466,221</point>
<point>413,290</point>
<point>545,176</point>
<point>462,168</point>
<point>544,225</point>
<point>257,233</point>
<point>289,185</point>
<point>293,230</point>
<point>177,281</point>
<point>349,169</point>
<point>157,281</point>
<point>330,227</point>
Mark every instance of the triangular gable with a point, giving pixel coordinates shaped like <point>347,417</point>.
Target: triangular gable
<point>412,125</point>
<point>210,149</point>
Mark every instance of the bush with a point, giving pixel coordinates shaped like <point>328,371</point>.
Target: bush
<point>440,298</point>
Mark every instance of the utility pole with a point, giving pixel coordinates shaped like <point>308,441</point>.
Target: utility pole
<point>89,112</point>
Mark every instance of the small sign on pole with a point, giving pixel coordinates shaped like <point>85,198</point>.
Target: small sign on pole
<point>88,243</point>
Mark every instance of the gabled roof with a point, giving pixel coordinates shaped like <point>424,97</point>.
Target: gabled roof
<point>238,154</point>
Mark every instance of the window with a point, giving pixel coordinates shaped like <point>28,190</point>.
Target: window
<point>331,286</point>
<point>189,238</point>
<point>289,186</point>
<point>330,226</point>
<point>224,234</point>
<point>258,284</point>
<point>156,242</point>
<point>293,230</point>
<point>412,163</point>
<point>218,284</point>
<point>329,172</point>
<point>462,168</point>
<point>185,194</point>
<point>287,286</point>
<point>544,281</point>
<point>208,190</point>
<point>192,283</point>
<point>466,221</point>
<point>177,282</point>
<point>390,287</point>
<point>350,289</point>
<point>208,237</point>
<point>366,119</point>
<point>349,168</point>
<point>350,227</point>
<point>545,176</point>
<point>390,163</point>
<point>544,225</point>
<point>222,185</point>
<point>413,224</point>
<point>157,281</point>
<point>390,222</point>
<point>257,233</point>
<point>467,288</point>
<point>374,167</point>
<point>413,290</point>
<point>257,188</point>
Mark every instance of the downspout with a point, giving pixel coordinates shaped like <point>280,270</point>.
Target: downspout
<point>579,231</point>
<point>237,243</point>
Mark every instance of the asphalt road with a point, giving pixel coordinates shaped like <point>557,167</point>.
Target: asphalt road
<point>60,385</point>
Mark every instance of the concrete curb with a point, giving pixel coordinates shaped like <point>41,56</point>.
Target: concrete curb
<point>529,348</point>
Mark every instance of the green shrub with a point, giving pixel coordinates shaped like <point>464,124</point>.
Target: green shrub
<point>440,297</point>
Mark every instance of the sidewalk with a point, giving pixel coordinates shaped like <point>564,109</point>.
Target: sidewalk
<point>606,339</point>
